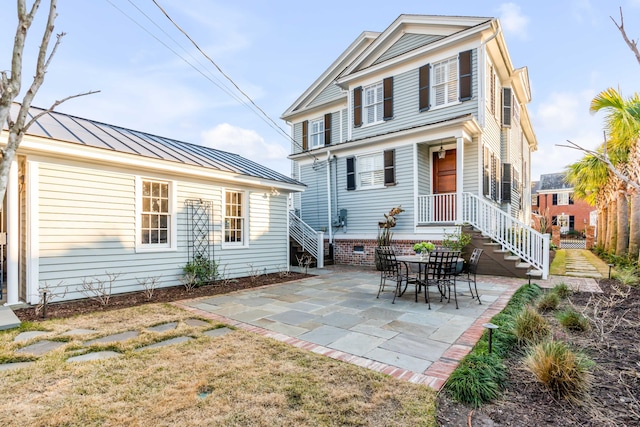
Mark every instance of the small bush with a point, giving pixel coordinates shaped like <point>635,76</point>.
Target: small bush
<point>561,370</point>
<point>548,301</point>
<point>478,379</point>
<point>562,290</point>
<point>573,321</point>
<point>530,327</point>
<point>628,276</point>
<point>202,270</point>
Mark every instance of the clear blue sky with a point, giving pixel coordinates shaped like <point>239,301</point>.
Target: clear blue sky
<point>275,49</point>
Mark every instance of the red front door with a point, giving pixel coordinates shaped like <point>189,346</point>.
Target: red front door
<point>444,182</point>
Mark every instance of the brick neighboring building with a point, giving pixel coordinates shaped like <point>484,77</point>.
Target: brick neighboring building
<point>554,193</point>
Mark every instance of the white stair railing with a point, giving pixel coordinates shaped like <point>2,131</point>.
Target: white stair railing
<point>513,235</point>
<point>312,241</point>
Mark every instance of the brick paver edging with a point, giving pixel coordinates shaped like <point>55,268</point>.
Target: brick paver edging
<point>434,376</point>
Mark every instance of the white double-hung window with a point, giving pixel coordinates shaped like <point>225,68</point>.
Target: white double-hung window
<point>156,217</point>
<point>234,217</point>
<point>373,103</point>
<point>317,133</point>
<point>445,82</point>
<point>370,170</point>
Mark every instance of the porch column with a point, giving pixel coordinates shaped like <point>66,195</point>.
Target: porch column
<point>13,235</point>
<point>459,178</point>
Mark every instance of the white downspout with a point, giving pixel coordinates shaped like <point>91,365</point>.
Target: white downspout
<point>330,208</point>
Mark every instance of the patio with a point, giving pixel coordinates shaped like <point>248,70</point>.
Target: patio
<point>337,314</point>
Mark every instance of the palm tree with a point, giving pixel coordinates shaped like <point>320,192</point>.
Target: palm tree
<point>622,123</point>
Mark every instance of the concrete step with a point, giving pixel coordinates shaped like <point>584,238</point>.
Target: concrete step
<point>8,319</point>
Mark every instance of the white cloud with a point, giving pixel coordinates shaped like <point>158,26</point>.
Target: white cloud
<point>513,21</point>
<point>247,143</point>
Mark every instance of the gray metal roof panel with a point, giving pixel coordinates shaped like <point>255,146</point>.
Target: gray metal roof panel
<point>554,181</point>
<point>91,133</point>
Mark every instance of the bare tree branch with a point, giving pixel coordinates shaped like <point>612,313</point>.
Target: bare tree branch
<point>56,104</point>
<point>605,159</point>
<point>633,44</point>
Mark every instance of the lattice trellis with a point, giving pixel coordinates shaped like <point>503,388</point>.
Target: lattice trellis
<point>200,229</point>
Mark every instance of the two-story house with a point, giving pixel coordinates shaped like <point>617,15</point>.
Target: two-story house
<point>430,115</point>
<point>553,202</point>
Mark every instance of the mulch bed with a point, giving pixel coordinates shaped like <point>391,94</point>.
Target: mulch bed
<point>175,293</point>
<point>613,343</point>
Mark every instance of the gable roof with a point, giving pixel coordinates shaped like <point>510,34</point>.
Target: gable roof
<point>90,133</point>
<point>554,181</point>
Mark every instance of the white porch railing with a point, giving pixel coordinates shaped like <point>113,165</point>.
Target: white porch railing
<point>436,208</point>
<point>311,240</point>
<point>513,235</point>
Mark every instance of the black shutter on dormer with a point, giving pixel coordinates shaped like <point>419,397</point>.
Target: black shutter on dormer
<point>305,135</point>
<point>351,173</point>
<point>357,106</point>
<point>327,129</point>
<point>464,71</point>
<point>554,199</point>
<point>506,106</point>
<point>423,87</point>
<point>387,88</point>
<point>389,167</point>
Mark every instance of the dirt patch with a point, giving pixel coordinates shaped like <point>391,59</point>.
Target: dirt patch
<point>613,343</point>
<point>175,293</point>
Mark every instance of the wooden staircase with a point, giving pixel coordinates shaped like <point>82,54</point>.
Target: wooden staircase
<point>494,260</point>
<point>297,252</point>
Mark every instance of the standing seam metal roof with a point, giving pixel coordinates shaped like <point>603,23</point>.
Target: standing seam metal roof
<point>95,134</point>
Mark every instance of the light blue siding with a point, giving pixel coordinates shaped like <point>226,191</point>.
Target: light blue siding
<point>328,94</point>
<point>405,106</point>
<point>313,209</point>
<point>407,43</point>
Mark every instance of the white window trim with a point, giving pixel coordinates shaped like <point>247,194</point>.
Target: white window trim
<point>172,246</point>
<point>320,134</point>
<point>433,85</point>
<point>245,216</point>
<point>563,199</point>
<point>378,102</point>
<point>359,186</point>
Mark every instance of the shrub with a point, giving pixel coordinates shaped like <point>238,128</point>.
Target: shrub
<point>627,276</point>
<point>562,290</point>
<point>202,270</point>
<point>530,327</point>
<point>573,321</point>
<point>548,301</point>
<point>478,379</point>
<point>561,370</point>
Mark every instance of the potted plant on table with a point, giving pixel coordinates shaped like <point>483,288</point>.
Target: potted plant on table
<point>423,248</point>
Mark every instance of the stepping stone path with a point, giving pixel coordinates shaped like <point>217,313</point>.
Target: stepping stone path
<point>577,265</point>
<point>44,346</point>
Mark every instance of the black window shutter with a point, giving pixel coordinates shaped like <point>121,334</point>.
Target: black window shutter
<point>423,87</point>
<point>464,71</point>
<point>494,177</point>
<point>555,199</point>
<point>305,135</point>
<point>351,173</point>
<point>327,129</point>
<point>506,106</point>
<point>506,182</point>
<point>571,198</point>
<point>485,173</point>
<point>357,106</point>
<point>389,167</point>
<point>387,87</point>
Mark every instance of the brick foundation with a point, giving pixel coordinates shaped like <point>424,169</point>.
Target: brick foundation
<point>344,251</point>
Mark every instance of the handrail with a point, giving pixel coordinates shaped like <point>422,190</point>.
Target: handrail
<point>514,236</point>
<point>436,208</point>
<point>312,241</point>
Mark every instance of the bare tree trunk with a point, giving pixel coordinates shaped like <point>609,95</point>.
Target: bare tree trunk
<point>634,225</point>
<point>610,244</point>
<point>601,226</point>
<point>622,234</point>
